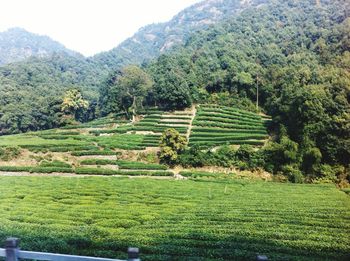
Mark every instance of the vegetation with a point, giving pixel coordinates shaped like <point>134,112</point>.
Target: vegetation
<point>78,216</point>
<point>171,144</point>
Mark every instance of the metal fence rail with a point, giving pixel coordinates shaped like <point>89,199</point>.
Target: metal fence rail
<point>11,252</point>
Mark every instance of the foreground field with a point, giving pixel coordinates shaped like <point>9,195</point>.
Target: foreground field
<point>176,220</point>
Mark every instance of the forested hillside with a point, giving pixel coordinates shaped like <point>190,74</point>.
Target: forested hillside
<point>152,40</point>
<point>17,44</point>
<point>32,91</point>
<point>296,53</point>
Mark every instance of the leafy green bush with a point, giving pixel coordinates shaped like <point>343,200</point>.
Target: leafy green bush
<point>55,163</point>
<point>201,174</point>
<point>15,168</point>
<point>93,153</point>
<point>9,153</point>
<point>95,171</point>
<point>51,170</point>
<point>98,162</point>
<point>139,165</point>
<point>293,173</point>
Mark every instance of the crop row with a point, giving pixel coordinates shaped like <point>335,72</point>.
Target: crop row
<point>93,153</point>
<point>229,110</point>
<point>86,171</point>
<point>226,134</point>
<point>227,126</point>
<point>225,117</point>
<point>220,131</point>
<point>124,164</point>
<point>36,169</point>
<point>101,171</point>
<point>207,144</point>
<point>228,138</point>
<point>201,174</point>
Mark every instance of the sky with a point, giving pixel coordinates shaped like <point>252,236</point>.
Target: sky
<point>87,26</point>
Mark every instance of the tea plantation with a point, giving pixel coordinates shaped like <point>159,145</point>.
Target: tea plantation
<point>176,220</point>
<point>207,126</point>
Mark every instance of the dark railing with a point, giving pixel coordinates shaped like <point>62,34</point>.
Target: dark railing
<point>11,252</point>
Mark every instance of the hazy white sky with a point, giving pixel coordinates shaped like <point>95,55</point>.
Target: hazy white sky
<point>87,26</point>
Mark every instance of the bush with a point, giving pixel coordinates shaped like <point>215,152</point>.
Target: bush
<point>93,153</point>
<point>50,170</point>
<point>139,165</point>
<point>9,153</point>
<point>15,168</point>
<point>55,163</point>
<point>293,173</point>
<point>95,171</point>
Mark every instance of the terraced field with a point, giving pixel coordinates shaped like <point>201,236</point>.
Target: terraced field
<point>219,125</point>
<point>109,138</point>
<point>176,220</point>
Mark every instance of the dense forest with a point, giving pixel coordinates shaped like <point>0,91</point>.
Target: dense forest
<point>296,53</point>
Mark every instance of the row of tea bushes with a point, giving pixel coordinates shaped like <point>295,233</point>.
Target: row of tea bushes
<point>219,125</point>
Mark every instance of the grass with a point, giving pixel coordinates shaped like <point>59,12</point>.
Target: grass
<point>176,220</point>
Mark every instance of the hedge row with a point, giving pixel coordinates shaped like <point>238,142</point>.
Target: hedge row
<point>48,133</point>
<point>139,165</point>
<point>100,171</point>
<point>178,117</point>
<point>92,153</point>
<point>201,174</point>
<point>232,113</point>
<point>228,138</point>
<point>36,169</point>
<point>124,164</point>
<point>206,144</point>
<point>220,131</point>
<point>55,163</point>
<point>226,134</point>
<point>229,109</point>
<point>174,122</point>
<point>226,117</point>
<point>227,126</point>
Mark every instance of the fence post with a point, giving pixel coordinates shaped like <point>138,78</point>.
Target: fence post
<point>133,254</point>
<point>11,246</point>
<point>261,258</point>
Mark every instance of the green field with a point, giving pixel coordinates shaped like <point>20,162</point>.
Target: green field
<point>176,220</point>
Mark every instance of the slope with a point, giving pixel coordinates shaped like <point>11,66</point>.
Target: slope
<point>17,44</point>
<point>153,40</point>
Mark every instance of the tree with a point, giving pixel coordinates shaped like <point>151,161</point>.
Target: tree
<point>125,90</point>
<point>73,103</point>
<point>171,144</point>
<point>171,87</point>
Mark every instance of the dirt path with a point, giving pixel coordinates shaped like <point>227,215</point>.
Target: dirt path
<point>194,112</point>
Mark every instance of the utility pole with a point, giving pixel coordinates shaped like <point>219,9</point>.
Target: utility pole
<point>257,93</point>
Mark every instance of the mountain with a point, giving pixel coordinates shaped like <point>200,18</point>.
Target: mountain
<point>153,40</point>
<point>17,44</point>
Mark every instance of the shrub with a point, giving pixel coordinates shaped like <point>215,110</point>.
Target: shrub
<point>9,153</point>
<point>171,144</point>
<point>95,171</point>
<point>293,173</point>
<point>93,153</point>
<point>55,163</point>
